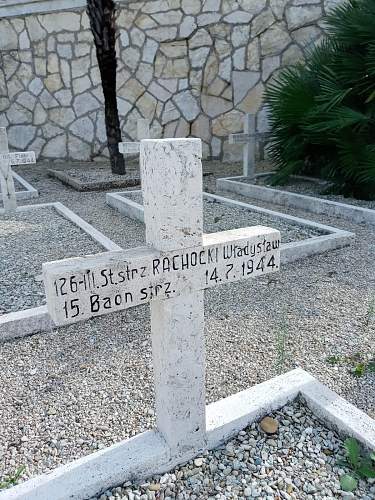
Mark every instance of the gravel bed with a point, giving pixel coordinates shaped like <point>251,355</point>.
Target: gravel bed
<point>27,240</point>
<point>310,188</point>
<point>98,174</point>
<point>79,388</point>
<point>218,217</point>
<point>298,462</point>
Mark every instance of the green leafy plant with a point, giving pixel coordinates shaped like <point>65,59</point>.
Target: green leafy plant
<point>359,370</point>
<point>333,360</point>
<point>12,479</point>
<point>322,112</point>
<point>362,466</point>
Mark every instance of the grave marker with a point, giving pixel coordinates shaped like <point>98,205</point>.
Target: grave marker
<point>170,274</point>
<point>6,174</point>
<point>247,138</point>
<point>143,132</point>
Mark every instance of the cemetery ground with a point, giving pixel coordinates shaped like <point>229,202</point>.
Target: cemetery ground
<point>76,389</point>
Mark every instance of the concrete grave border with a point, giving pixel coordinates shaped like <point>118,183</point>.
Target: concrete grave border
<point>26,194</point>
<point>147,454</point>
<point>28,321</point>
<point>78,185</point>
<point>290,252</point>
<point>353,213</point>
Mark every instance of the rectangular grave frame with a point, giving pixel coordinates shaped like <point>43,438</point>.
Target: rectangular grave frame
<point>320,206</point>
<point>333,239</point>
<point>26,194</point>
<point>148,454</point>
<point>78,185</point>
<point>36,319</point>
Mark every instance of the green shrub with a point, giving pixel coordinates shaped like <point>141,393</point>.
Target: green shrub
<point>322,112</point>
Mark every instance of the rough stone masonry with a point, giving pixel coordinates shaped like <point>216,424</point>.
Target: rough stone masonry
<point>192,67</point>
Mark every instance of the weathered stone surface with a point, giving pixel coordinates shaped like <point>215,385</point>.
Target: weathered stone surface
<point>62,116</point>
<point>261,22</point>
<point>187,26</point>
<point>227,123</point>
<point>269,65</point>
<point>20,136</point>
<point>85,103</point>
<point>242,82</point>
<point>274,40</point>
<point>56,147</point>
<point>83,128</point>
<point>64,21</point>
<point>253,100</point>
<point>298,16</point>
<point>24,40</point>
<point>40,115</point>
<point>307,35</point>
<point>240,35</point>
<point>82,84</point>
<point>188,105</point>
<point>291,55</point>
<point>36,86</point>
<point>191,6</point>
<point>201,127</point>
<point>78,149</point>
<point>8,37</point>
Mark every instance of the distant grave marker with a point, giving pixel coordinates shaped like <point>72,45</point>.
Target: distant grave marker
<point>170,274</point>
<point>143,132</point>
<point>6,174</point>
<point>247,138</point>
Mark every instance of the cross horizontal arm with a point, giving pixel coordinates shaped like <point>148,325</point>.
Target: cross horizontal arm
<point>240,138</point>
<point>129,147</point>
<point>81,288</point>
<point>23,158</point>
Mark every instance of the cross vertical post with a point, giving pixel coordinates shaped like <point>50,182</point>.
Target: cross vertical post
<point>249,146</point>
<point>6,174</point>
<point>171,173</point>
<point>247,138</point>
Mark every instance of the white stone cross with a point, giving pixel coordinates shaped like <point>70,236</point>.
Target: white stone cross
<point>6,174</point>
<point>248,141</point>
<point>170,273</point>
<point>143,132</point>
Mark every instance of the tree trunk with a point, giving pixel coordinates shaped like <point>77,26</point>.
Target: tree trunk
<point>102,20</point>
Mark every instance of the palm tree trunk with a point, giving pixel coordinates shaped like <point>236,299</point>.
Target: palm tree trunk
<point>102,20</point>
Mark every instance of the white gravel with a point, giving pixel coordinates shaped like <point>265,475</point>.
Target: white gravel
<point>298,462</point>
<point>218,217</point>
<point>68,392</point>
<point>27,240</point>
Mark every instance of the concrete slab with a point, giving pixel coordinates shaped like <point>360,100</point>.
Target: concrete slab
<point>128,180</point>
<point>28,192</point>
<point>331,239</point>
<point>353,213</point>
<point>147,454</point>
<point>23,323</point>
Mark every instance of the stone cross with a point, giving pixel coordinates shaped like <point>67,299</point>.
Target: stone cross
<point>6,174</point>
<point>170,273</point>
<point>143,132</point>
<point>248,141</point>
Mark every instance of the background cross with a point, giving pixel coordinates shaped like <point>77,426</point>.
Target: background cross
<point>6,174</point>
<point>247,138</point>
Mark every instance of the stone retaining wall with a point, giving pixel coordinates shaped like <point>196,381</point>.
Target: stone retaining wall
<point>193,67</point>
